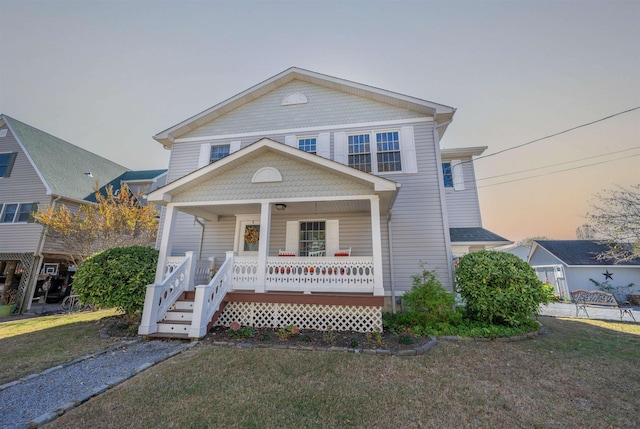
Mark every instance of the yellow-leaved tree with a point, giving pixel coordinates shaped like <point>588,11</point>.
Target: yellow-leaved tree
<point>117,219</point>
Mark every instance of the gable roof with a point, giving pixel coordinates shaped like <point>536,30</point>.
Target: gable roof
<point>63,167</point>
<point>443,114</point>
<point>139,176</point>
<point>578,252</point>
<point>475,235</point>
<point>384,187</point>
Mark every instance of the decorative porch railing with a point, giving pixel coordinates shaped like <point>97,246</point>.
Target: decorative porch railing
<point>209,297</point>
<point>161,296</point>
<point>337,274</point>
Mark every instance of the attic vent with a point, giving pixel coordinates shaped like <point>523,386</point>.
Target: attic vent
<point>3,132</point>
<point>295,98</point>
<point>266,175</point>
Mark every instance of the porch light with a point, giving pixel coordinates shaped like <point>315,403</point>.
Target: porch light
<point>281,207</point>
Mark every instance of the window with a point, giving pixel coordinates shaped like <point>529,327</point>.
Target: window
<point>312,237</point>
<point>360,152</point>
<point>388,148</point>
<point>219,152</point>
<point>447,172</point>
<point>14,213</point>
<point>6,163</point>
<point>307,144</point>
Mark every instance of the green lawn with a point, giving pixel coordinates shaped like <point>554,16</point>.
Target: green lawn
<point>32,345</point>
<point>580,374</point>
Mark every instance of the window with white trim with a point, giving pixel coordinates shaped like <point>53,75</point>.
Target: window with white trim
<point>313,237</point>
<point>6,163</point>
<point>447,174</point>
<point>386,152</point>
<point>17,213</point>
<point>219,152</point>
<point>307,144</point>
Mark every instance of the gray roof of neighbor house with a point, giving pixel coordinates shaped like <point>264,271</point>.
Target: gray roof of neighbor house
<point>63,166</point>
<point>580,252</point>
<point>475,235</point>
<point>132,176</point>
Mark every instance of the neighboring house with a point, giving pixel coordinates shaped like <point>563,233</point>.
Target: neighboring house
<point>569,264</point>
<point>36,170</point>
<point>317,199</point>
<point>521,251</point>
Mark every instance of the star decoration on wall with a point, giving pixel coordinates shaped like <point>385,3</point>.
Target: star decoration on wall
<point>607,275</point>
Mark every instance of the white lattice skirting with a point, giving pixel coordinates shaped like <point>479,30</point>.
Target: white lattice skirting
<point>305,316</point>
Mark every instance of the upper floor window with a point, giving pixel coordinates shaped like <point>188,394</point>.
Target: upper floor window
<point>388,148</point>
<point>307,144</point>
<point>360,152</point>
<point>14,213</point>
<point>219,152</point>
<point>447,173</point>
<point>6,163</point>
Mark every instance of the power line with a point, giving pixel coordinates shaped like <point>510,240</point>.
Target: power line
<point>553,135</point>
<point>559,171</point>
<point>560,163</point>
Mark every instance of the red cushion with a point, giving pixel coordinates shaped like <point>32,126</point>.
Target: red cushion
<point>341,254</point>
<point>286,254</point>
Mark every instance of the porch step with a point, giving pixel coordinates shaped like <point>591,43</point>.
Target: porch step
<point>182,306</point>
<point>174,327</point>
<point>179,315</point>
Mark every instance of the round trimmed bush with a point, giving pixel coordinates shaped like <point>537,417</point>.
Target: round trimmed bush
<point>117,277</point>
<point>500,288</point>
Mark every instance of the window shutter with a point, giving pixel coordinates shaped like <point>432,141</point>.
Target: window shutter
<point>205,155</point>
<point>234,146</point>
<point>333,236</point>
<point>292,241</point>
<point>458,177</point>
<point>323,145</point>
<point>408,148</point>
<point>340,148</point>
<point>291,141</point>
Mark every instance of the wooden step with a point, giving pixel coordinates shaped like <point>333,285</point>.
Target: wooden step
<point>174,327</point>
<point>183,305</point>
<point>178,316</point>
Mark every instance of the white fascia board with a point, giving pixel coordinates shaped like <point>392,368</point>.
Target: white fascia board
<point>462,152</point>
<point>26,153</point>
<point>313,130</point>
<point>380,184</point>
<point>165,137</point>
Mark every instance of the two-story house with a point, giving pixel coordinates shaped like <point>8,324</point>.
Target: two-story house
<point>317,198</point>
<point>36,170</point>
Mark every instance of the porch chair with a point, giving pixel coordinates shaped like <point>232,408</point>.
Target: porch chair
<point>287,252</point>
<point>343,252</point>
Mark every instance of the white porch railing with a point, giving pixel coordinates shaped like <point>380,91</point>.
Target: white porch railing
<point>160,297</point>
<point>331,274</point>
<point>209,298</point>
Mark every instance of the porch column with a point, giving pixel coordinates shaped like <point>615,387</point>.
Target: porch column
<point>263,246</point>
<point>165,244</point>
<point>376,241</point>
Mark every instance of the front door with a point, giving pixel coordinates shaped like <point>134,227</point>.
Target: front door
<point>249,238</point>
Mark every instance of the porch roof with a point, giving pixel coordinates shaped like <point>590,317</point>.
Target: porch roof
<point>184,191</point>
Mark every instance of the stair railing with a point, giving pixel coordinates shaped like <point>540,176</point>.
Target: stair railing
<point>209,297</point>
<point>161,296</point>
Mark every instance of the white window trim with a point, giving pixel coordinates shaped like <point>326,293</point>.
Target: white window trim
<point>205,151</point>
<point>332,235</point>
<point>3,207</point>
<point>457,176</point>
<point>298,138</point>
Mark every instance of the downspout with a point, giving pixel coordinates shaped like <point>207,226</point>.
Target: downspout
<point>195,218</point>
<point>391,270</point>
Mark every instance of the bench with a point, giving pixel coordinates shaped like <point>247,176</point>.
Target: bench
<point>596,298</point>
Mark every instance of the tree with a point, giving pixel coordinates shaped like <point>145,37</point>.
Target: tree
<point>616,217</point>
<point>117,219</point>
<point>585,232</point>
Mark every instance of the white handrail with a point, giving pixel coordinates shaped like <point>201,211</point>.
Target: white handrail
<point>209,297</point>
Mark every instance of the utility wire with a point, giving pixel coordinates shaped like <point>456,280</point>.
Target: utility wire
<point>559,171</point>
<point>555,165</point>
<point>552,135</point>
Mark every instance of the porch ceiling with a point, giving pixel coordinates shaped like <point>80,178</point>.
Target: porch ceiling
<point>308,207</point>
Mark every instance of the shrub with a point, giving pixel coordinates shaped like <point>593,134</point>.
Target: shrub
<point>428,301</point>
<point>117,277</point>
<point>500,288</point>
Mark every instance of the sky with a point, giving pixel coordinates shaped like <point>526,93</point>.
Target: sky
<point>108,75</point>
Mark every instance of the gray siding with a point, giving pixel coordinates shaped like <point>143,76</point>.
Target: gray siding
<point>578,278</point>
<point>325,107</point>
<point>542,257</point>
<point>463,207</point>
<point>22,186</point>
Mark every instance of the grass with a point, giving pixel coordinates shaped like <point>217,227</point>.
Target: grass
<point>581,374</point>
<point>32,345</point>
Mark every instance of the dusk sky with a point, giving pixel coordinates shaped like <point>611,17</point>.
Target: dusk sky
<point>107,76</point>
